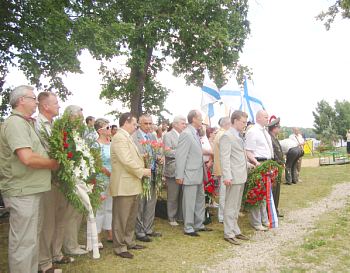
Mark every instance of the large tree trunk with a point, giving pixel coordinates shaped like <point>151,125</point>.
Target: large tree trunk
<point>137,80</point>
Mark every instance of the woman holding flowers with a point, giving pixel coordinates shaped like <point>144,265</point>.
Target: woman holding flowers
<point>103,143</point>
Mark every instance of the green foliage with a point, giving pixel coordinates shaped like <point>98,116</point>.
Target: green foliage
<point>340,6</point>
<point>331,123</point>
<point>44,39</point>
<point>325,123</point>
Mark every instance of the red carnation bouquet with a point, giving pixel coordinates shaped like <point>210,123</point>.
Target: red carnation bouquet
<point>154,153</point>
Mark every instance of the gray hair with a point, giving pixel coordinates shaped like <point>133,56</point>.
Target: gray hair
<point>100,123</point>
<point>224,121</point>
<point>19,92</point>
<point>177,119</point>
<point>73,110</point>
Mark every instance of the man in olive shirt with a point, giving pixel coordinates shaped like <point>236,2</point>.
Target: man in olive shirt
<point>24,175</point>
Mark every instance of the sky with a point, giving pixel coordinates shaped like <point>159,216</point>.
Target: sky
<point>294,60</point>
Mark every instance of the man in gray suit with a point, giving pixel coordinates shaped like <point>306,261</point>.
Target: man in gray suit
<point>234,168</point>
<point>174,190</point>
<point>190,171</point>
<point>146,211</point>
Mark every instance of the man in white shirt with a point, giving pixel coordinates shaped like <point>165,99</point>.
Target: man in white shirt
<point>299,140</point>
<point>259,149</point>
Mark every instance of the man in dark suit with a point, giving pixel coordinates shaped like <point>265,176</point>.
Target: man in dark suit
<point>174,190</point>
<point>146,212</point>
<point>190,171</point>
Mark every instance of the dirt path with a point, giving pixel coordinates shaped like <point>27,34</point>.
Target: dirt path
<point>264,248</point>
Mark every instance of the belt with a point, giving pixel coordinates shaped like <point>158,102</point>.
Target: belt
<point>261,159</point>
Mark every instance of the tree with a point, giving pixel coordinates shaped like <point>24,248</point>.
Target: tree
<point>342,117</point>
<point>340,6</point>
<point>44,38</point>
<point>325,122</point>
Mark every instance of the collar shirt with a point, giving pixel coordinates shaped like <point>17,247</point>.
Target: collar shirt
<point>42,124</point>
<point>177,133</point>
<point>258,141</point>
<point>299,140</point>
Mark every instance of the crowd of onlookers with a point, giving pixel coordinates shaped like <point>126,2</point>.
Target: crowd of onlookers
<point>193,151</point>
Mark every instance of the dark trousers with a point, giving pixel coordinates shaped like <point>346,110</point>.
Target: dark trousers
<point>348,147</point>
<point>291,164</point>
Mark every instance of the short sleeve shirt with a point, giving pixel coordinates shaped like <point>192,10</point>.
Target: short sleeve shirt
<point>258,141</point>
<point>16,179</point>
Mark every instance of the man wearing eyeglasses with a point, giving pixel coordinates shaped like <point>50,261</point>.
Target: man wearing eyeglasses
<point>145,218</point>
<point>25,174</point>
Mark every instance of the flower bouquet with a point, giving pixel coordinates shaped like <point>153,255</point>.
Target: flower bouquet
<point>256,189</point>
<point>154,151</point>
<point>78,162</point>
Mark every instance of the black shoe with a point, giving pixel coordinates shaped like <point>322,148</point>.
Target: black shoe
<point>145,239</point>
<point>280,215</point>
<point>126,255</point>
<point>288,183</point>
<point>205,229</point>
<point>155,234</point>
<point>137,247</point>
<point>192,234</point>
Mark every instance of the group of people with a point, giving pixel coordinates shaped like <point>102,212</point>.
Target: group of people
<point>37,206</point>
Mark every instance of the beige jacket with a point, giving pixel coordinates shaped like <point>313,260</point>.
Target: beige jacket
<point>127,166</point>
<point>217,164</point>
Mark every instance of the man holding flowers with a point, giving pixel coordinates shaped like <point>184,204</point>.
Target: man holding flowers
<point>25,174</point>
<point>147,205</point>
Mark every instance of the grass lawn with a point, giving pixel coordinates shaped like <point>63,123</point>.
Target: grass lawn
<point>175,252</point>
<point>326,249</point>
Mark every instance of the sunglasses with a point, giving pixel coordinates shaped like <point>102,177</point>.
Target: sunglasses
<point>107,128</point>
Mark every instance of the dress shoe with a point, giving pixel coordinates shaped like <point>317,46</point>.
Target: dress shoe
<point>242,237</point>
<point>280,215</point>
<point>288,183</point>
<point>126,255</point>
<point>173,223</point>
<point>77,251</point>
<point>232,241</point>
<point>137,247</point>
<point>155,234</point>
<point>145,239</point>
<point>261,228</point>
<point>205,229</point>
<point>192,234</point>
<point>51,270</point>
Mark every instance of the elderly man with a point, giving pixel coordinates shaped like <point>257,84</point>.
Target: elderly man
<point>259,149</point>
<point>70,243</point>
<point>174,191</point>
<point>234,167</point>
<point>25,174</point>
<point>53,203</point>
<point>224,124</point>
<point>190,171</point>
<point>125,186</point>
<point>145,217</point>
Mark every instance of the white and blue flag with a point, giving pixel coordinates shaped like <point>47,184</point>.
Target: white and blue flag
<point>210,95</point>
<point>231,94</point>
<point>250,104</point>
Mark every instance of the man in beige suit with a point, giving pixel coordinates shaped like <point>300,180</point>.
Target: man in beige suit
<point>125,186</point>
<point>234,167</point>
<point>224,124</point>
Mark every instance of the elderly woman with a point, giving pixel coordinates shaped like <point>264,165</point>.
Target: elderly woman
<point>104,213</point>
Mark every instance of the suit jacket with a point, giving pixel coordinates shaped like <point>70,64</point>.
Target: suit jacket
<point>233,157</point>
<point>170,140</point>
<point>189,158</point>
<point>127,166</point>
<point>138,137</point>
<point>217,165</point>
